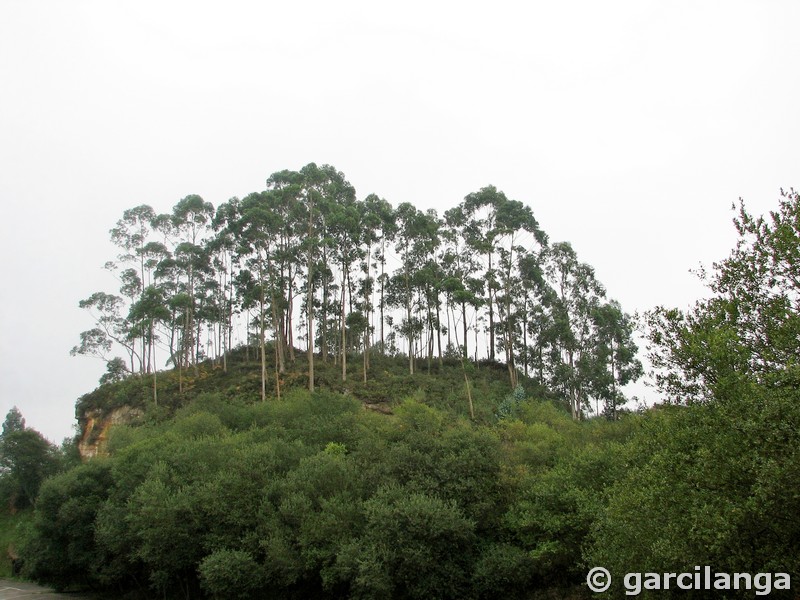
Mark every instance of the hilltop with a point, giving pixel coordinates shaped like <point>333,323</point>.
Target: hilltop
<point>440,384</point>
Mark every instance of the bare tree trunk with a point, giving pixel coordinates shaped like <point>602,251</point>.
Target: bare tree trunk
<point>344,329</point>
<point>310,304</point>
<point>464,325</point>
<point>439,332</point>
<point>491,309</point>
<point>262,343</point>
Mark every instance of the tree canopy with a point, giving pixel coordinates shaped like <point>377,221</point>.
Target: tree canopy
<point>305,261</point>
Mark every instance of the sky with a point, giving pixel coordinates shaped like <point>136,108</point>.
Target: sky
<point>629,127</point>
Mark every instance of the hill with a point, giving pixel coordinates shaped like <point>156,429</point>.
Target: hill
<point>215,493</point>
<point>442,385</point>
<point>313,494</point>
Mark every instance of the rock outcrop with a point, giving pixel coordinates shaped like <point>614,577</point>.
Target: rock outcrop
<point>95,426</point>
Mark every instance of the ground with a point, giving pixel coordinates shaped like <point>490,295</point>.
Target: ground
<point>13,590</point>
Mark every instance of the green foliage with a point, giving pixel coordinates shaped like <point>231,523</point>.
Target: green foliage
<point>731,488</point>
<point>230,574</point>
<point>26,460</point>
<point>747,331</point>
<point>62,550</point>
<point>310,495</point>
<point>414,546</point>
<point>510,404</point>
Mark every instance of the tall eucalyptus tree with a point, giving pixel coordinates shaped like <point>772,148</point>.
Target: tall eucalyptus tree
<point>615,359</point>
<point>344,230</point>
<point>191,218</point>
<point>577,295</point>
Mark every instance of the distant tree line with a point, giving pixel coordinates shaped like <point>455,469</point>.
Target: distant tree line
<point>306,262</point>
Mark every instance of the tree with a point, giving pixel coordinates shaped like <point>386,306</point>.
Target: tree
<point>191,218</point>
<point>615,361</point>
<point>26,460</point>
<point>14,421</point>
<point>747,331</point>
<point>256,229</point>
<point>344,227</point>
<point>577,294</point>
<point>416,240</point>
<point>148,312</point>
<point>111,327</point>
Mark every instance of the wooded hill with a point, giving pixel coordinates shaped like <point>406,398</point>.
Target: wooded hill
<point>216,493</point>
<point>305,263</point>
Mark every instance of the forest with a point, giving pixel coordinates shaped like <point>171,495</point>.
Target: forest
<point>342,399</point>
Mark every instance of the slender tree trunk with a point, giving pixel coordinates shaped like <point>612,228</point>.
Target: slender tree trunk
<point>155,369</point>
<point>344,329</point>
<point>324,323</point>
<point>279,359</point>
<point>410,328</point>
<point>263,345</point>
<point>196,350</point>
<point>383,263</point>
<point>466,379</point>
<point>525,333</point>
<point>439,332</point>
<point>464,325</point>
<point>310,302</point>
<point>429,344</point>
<point>491,309</point>
<point>277,372</point>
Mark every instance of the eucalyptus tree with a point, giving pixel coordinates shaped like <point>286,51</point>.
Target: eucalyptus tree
<point>223,251</point>
<point>416,241</point>
<point>479,230</point>
<point>401,290</point>
<point>539,328</point>
<point>147,312</point>
<point>110,327</point>
<point>287,190</point>
<point>191,218</point>
<point>514,222</point>
<point>577,294</point>
<point>494,227</point>
<point>131,234</point>
<point>373,219</point>
<point>459,262</point>
<point>343,227</point>
<point>615,361</point>
<point>385,232</point>
<point>256,230</point>
<point>309,198</point>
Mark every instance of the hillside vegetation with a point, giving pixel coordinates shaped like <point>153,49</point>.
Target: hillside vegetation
<point>315,496</point>
<point>431,477</point>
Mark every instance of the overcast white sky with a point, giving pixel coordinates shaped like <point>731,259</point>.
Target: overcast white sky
<point>628,127</point>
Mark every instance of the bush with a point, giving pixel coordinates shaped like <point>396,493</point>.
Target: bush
<point>231,574</point>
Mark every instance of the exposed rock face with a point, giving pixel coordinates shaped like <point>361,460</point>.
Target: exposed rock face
<point>95,425</point>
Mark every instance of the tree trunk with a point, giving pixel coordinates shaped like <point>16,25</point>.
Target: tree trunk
<point>491,309</point>
<point>344,329</point>
<point>310,301</point>
<point>439,332</point>
<point>464,324</point>
<point>263,345</point>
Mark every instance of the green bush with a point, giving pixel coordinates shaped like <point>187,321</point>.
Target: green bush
<point>231,574</point>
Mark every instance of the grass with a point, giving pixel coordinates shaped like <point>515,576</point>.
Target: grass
<point>388,382</point>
